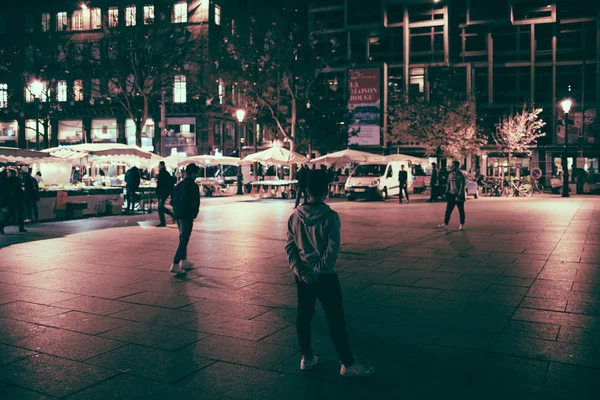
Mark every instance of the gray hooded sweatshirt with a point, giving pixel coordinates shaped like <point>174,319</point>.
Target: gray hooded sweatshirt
<point>313,239</point>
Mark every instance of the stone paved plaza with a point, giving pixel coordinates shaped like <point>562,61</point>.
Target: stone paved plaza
<point>508,309</point>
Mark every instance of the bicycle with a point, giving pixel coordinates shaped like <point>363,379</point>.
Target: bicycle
<point>511,189</point>
<point>537,186</point>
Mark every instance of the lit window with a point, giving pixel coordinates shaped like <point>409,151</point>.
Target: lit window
<point>61,21</point>
<point>217,15</point>
<point>180,11</point>
<point>233,27</point>
<point>96,18</point>
<point>45,22</point>
<point>113,17</point>
<point>221,92</point>
<point>130,16</point>
<point>61,91</point>
<point>29,97</point>
<point>78,90</point>
<point>148,14</point>
<point>3,95</point>
<point>77,20</point>
<point>180,89</point>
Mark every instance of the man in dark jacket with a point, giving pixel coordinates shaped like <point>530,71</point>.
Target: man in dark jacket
<point>403,182</point>
<point>12,199</point>
<point>132,184</point>
<point>434,183</point>
<point>302,178</point>
<point>186,203</point>
<point>164,188</point>
<point>31,194</point>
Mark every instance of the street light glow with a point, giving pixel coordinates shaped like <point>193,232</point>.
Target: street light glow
<point>240,114</point>
<point>36,88</point>
<point>83,6</point>
<point>566,105</point>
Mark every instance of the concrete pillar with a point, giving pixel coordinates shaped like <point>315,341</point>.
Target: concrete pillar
<point>121,130</point>
<point>53,132</point>
<point>21,138</point>
<point>87,129</point>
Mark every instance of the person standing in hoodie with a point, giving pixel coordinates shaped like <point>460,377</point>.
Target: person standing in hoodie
<point>455,196</point>
<point>312,248</point>
<point>186,203</point>
<point>164,187</point>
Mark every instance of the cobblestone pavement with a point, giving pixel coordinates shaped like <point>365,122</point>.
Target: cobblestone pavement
<point>508,309</point>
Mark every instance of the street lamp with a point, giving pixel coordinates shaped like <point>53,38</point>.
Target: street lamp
<point>36,88</point>
<point>240,115</point>
<point>566,106</point>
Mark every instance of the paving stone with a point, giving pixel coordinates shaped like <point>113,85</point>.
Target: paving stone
<point>91,324</point>
<point>238,328</point>
<point>9,354</point>
<point>41,296</point>
<point>156,336</point>
<point>93,305</point>
<point>579,335</point>
<point>225,308</point>
<point>159,300</point>
<point>544,304</point>
<point>157,316</point>
<point>52,375</point>
<point>514,369</point>
<point>150,363</point>
<point>14,392</point>
<point>496,389</point>
<point>560,318</point>
<point>573,377</point>
<point>29,312</point>
<point>532,329</point>
<point>468,339</point>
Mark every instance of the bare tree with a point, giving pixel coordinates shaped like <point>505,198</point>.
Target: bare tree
<point>517,134</point>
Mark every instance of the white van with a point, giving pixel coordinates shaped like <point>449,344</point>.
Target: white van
<point>376,180</point>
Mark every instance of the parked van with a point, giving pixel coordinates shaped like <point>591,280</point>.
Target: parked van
<point>377,180</point>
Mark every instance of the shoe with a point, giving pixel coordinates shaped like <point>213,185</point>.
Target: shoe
<point>357,369</point>
<point>461,227</point>
<point>176,269</point>
<point>185,265</point>
<point>306,365</point>
<point>161,225</point>
<point>443,226</point>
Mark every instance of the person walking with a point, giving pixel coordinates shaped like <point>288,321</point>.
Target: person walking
<point>403,182</point>
<point>186,203</point>
<point>164,188</point>
<point>455,196</point>
<point>434,183</point>
<point>132,184</point>
<point>312,248</point>
<point>301,177</point>
<point>12,201</point>
<point>31,195</point>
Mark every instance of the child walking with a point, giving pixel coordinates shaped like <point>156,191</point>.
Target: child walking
<point>312,247</point>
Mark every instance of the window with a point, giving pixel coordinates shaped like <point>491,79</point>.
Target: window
<point>232,27</point>
<point>221,91</point>
<point>217,15</point>
<point>180,89</point>
<point>148,15</point>
<point>417,80</point>
<point>45,22</point>
<point>61,91</point>
<point>3,95</point>
<point>130,16</point>
<point>95,53</point>
<point>104,130</point>
<point>77,20</point>
<point>113,17</point>
<point>61,21</point>
<point>29,97</point>
<point>96,88</point>
<point>95,18</point>
<point>180,12</point>
<point>78,90</point>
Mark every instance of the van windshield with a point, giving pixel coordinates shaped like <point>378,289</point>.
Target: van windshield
<point>369,170</point>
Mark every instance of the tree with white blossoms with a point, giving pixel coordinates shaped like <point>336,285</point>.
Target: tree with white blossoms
<point>517,134</point>
<point>444,122</point>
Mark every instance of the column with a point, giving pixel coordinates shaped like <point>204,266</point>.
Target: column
<point>157,141</point>
<point>121,138</point>
<point>87,129</point>
<point>21,138</point>
<point>53,133</point>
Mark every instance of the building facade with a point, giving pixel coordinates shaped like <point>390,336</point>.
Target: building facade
<point>68,46</point>
<point>509,53</point>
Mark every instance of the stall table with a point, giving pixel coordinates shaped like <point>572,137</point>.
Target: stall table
<point>98,201</point>
<point>274,189</point>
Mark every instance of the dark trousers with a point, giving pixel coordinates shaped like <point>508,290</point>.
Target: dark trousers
<point>130,199</point>
<point>162,210</point>
<point>434,193</point>
<point>327,289</point>
<point>452,201</point>
<point>31,209</point>
<point>15,213</point>
<point>403,188</point>
<point>301,191</point>
<point>185,230</point>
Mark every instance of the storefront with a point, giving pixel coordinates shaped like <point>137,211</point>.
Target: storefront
<point>9,133</point>
<point>70,132</point>
<point>181,135</point>
<point>147,134</point>
<point>104,131</point>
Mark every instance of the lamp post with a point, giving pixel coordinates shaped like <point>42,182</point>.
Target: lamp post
<point>36,88</point>
<point>240,115</point>
<point>566,106</point>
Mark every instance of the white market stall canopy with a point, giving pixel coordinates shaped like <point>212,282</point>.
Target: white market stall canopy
<point>408,159</point>
<point>205,161</point>
<point>274,156</point>
<point>348,156</point>
<point>20,156</point>
<point>105,153</point>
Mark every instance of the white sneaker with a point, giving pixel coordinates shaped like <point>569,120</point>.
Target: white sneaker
<point>443,226</point>
<point>357,369</point>
<point>461,227</point>
<point>176,269</point>
<point>185,265</point>
<point>306,365</point>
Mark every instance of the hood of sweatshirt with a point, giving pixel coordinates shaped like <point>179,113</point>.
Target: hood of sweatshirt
<point>312,214</point>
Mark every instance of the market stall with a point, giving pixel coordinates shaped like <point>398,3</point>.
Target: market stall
<point>210,186</point>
